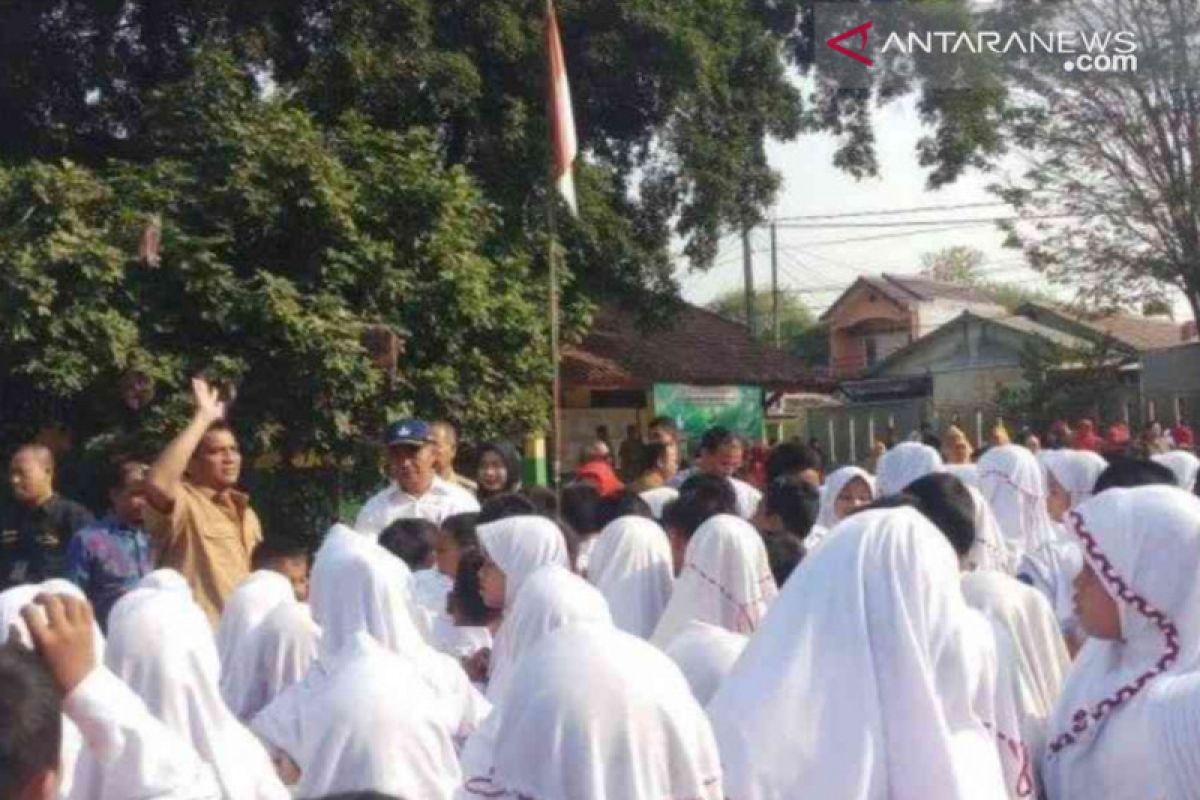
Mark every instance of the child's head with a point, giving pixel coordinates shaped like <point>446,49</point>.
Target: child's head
<point>32,727</point>
<point>287,557</point>
<point>412,540</point>
<point>465,602</point>
<point>456,535</point>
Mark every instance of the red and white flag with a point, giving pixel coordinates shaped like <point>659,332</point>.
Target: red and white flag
<point>562,119</point>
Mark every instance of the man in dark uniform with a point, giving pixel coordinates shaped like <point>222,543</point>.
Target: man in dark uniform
<point>34,535</point>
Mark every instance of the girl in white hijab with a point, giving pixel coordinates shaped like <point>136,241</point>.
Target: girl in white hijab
<point>282,649</point>
<point>1185,466</point>
<point>845,489</point>
<point>1174,708</point>
<point>1013,485</point>
<point>1139,603</point>
<point>161,644</point>
<point>726,580</point>
<point>706,654</point>
<point>658,498</point>
<point>867,645</point>
<point>991,550</point>
<point>903,464</point>
<point>635,731</point>
<point>1070,478</point>
<point>244,612</point>
<point>631,566</point>
<point>514,548</point>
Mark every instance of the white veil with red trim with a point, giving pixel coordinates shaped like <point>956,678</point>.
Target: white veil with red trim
<point>726,581</point>
<point>863,681</point>
<point>1144,545</point>
<point>1012,482</point>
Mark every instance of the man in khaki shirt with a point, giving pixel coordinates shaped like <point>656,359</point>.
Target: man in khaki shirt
<point>200,523</point>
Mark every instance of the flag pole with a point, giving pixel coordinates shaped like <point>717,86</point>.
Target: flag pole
<point>556,383</point>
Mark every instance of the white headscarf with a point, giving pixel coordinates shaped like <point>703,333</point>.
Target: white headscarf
<point>705,654</point>
<point>658,498</point>
<point>1075,470</point>
<point>161,645</point>
<point>1174,708</point>
<point>166,579</point>
<point>603,715</point>
<point>282,649</point>
<point>1144,546</point>
<point>967,473</point>
<point>551,598</point>
<point>835,482</point>
<point>866,645</point>
<point>726,580</point>
<point>519,545</point>
<point>366,722</point>
<point>1033,660</point>
<point>1012,482</point>
<point>1185,466</point>
<point>991,550</point>
<point>903,464</point>
<point>631,566</point>
<point>245,609</point>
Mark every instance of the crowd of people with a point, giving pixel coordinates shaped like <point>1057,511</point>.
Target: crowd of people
<point>746,624</point>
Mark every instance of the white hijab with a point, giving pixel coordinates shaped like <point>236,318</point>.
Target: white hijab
<point>1185,466</point>
<point>835,482</point>
<point>1075,470</point>
<point>161,645</point>
<point>991,550</point>
<point>866,645</point>
<point>1174,708</point>
<point>1012,482</point>
<point>903,464</point>
<point>367,722</point>
<point>634,731</point>
<point>1033,660</point>
<point>631,566</point>
<point>658,498</point>
<point>1144,546</point>
<point>519,545</point>
<point>967,473</point>
<point>705,654</point>
<point>726,580</point>
<point>243,615</point>
<point>284,646</point>
<point>166,579</point>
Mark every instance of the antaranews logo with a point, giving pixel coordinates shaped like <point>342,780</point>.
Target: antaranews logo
<point>860,31</point>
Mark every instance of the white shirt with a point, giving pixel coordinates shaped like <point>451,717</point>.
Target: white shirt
<point>444,499</point>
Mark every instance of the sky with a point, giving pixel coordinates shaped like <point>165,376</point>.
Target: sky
<point>813,185</point>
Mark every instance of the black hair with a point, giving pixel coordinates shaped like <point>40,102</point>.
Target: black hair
<point>785,551</point>
<point>796,503</point>
<point>716,438</point>
<point>512,465</point>
<point>461,528</point>
<point>466,598</point>
<point>545,500</point>
<point>666,423</point>
<point>411,539</point>
<point>651,453</point>
<point>30,706</point>
<point>623,504</point>
<point>1124,473</point>
<point>790,458</point>
<point>276,548</point>
<point>580,508</point>
<point>947,503</point>
<point>700,498</point>
<point>502,506</point>
<point>114,473</point>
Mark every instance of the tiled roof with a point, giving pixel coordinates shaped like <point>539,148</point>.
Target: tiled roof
<point>697,347</point>
<point>904,290</point>
<point>1138,333</point>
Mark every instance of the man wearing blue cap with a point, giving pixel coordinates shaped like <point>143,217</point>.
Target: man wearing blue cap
<point>416,489</point>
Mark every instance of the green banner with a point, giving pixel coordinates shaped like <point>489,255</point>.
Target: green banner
<point>695,409</point>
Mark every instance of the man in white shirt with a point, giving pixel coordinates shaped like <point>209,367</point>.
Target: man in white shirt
<point>721,453</point>
<point>416,490</point>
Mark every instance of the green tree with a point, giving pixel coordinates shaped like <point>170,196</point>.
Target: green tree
<point>1061,382</point>
<point>957,264</point>
<point>799,331</point>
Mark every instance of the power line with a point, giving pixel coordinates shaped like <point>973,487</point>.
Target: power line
<point>857,239</point>
<point>921,222</point>
<point>890,212</point>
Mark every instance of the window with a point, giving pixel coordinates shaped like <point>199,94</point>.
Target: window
<point>872,350</point>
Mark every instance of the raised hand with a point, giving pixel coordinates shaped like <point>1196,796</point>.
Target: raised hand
<point>62,630</point>
<point>208,399</point>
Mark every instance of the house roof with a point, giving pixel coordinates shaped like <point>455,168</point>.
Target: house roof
<point>1137,333</point>
<point>905,290</point>
<point>697,347</point>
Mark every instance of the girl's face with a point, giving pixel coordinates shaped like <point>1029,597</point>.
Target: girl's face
<point>854,494</point>
<point>1097,611</point>
<point>1058,501</point>
<point>492,583</point>
<point>446,554</point>
<point>493,473</point>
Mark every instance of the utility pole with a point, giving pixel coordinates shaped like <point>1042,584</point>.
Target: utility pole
<point>748,269</point>
<point>774,284</point>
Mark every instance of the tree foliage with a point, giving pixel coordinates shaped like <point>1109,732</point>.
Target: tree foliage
<point>1061,382</point>
<point>956,264</point>
<point>799,332</point>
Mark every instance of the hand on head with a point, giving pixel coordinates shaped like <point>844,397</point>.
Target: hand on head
<point>62,630</point>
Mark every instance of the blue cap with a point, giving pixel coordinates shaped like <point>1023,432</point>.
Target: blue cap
<point>413,432</point>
